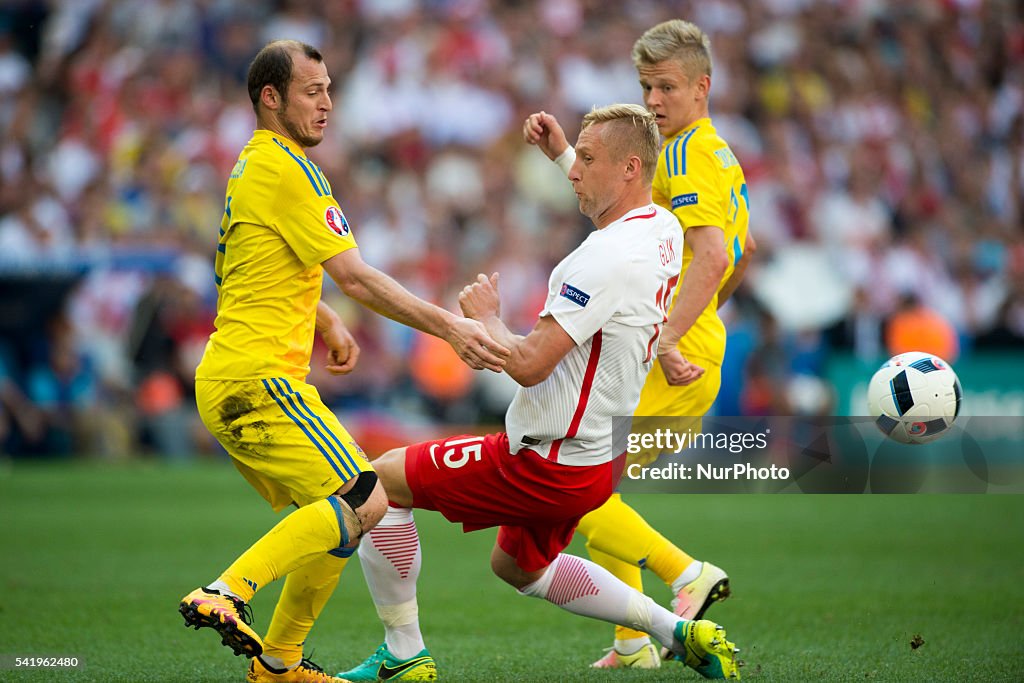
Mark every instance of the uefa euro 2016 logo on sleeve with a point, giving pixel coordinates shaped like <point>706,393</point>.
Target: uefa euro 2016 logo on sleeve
<point>574,295</point>
<point>336,220</point>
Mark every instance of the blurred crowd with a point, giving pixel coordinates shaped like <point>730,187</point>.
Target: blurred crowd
<point>883,145</point>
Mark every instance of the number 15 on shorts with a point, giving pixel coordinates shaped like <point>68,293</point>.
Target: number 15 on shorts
<point>457,452</point>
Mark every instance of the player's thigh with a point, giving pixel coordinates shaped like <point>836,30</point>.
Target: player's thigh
<point>282,438</point>
<point>457,473</point>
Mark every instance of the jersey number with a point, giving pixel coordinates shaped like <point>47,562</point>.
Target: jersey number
<point>458,452</point>
<point>661,299</point>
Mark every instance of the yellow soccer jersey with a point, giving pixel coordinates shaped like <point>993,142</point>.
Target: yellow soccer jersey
<point>280,223</point>
<point>699,180</point>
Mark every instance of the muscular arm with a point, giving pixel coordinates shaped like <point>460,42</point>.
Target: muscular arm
<point>380,293</point>
<point>532,357</point>
<point>740,269</point>
<point>700,282</point>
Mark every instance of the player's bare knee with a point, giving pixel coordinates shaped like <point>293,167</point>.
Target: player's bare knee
<point>363,504</point>
<point>390,468</point>
<point>502,570</point>
<point>375,507</point>
<point>506,569</point>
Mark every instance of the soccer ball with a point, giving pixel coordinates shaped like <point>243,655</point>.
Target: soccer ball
<point>914,397</point>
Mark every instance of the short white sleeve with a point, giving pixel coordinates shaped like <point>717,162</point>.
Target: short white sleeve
<point>586,291</point>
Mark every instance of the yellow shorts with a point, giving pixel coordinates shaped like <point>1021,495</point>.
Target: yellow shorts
<point>281,437</point>
<point>661,402</point>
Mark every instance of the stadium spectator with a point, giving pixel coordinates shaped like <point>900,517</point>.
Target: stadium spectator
<point>169,329</point>
<point>63,385</point>
<point>917,327</point>
<point>912,110</point>
<point>21,421</point>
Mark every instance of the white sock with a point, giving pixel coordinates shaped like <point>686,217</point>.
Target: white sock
<point>689,574</point>
<point>222,588</point>
<point>585,588</point>
<point>631,646</point>
<point>391,558</point>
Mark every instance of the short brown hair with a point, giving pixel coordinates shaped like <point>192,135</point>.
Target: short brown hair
<point>675,39</point>
<point>633,130</point>
<point>272,65</point>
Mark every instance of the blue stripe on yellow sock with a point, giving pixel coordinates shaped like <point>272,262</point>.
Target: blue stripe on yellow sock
<point>336,505</point>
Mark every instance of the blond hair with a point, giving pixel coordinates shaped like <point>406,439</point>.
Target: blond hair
<point>631,130</point>
<point>678,40</point>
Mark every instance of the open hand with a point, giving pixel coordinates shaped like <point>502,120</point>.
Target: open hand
<point>475,346</point>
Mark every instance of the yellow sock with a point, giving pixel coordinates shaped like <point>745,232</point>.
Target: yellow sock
<point>618,530</point>
<point>305,534</point>
<point>304,595</point>
<point>666,559</point>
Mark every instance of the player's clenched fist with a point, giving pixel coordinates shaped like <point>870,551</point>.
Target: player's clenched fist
<point>480,300</point>
<point>542,129</point>
<point>342,351</point>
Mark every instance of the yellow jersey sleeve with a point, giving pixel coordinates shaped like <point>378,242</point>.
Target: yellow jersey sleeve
<point>316,231</point>
<point>308,217</point>
<point>696,184</point>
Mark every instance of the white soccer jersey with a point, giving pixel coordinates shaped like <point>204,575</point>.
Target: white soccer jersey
<point>610,295</point>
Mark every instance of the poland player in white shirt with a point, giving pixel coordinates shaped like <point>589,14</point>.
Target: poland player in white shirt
<point>583,363</point>
<point>609,297</point>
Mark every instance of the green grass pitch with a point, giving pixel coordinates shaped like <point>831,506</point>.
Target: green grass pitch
<point>93,561</point>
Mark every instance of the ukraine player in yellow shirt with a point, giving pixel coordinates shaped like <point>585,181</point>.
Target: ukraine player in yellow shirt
<point>281,229</point>
<point>699,179</point>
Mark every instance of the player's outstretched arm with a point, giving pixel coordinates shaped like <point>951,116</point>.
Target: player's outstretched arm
<point>380,293</point>
<point>532,357</point>
<point>342,349</point>
<point>542,129</point>
<point>739,270</point>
